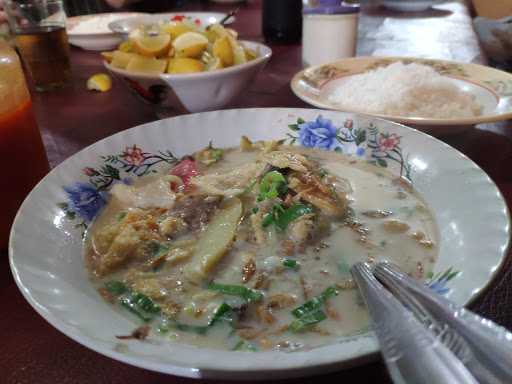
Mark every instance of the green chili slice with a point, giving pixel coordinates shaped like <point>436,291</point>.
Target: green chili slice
<point>243,345</point>
<point>221,313</point>
<point>307,320</point>
<point>290,263</point>
<point>199,329</point>
<point>281,217</point>
<point>140,305</point>
<point>272,185</point>
<point>116,287</point>
<point>166,325</point>
<point>137,303</point>
<point>315,303</point>
<point>247,294</point>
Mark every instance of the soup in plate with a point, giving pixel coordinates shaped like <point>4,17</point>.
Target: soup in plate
<point>250,248</point>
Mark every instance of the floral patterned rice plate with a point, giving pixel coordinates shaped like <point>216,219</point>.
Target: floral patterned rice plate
<point>46,240</point>
<point>491,88</point>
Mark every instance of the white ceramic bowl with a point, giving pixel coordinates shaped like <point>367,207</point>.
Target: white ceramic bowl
<point>195,92</point>
<point>99,39</point>
<point>45,250</point>
<point>123,27</point>
<point>95,42</point>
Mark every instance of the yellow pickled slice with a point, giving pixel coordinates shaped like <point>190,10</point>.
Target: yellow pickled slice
<point>217,31</point>
<point>108,55</point>
<point>185,65</point>
<point>126,46</point>
<point>232,32</point>
<point>250,54</point>
<point>214,64</point>
<point>151,46</point>
<point>146,65</point>
<point>99,82</point>
<point>211,35</point>
<point>121,59</point>
<point>238,52</point>
<point>222,49</point>
<point>190,44</point>
<point>175,29</point>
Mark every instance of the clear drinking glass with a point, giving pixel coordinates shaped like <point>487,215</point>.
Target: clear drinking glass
<point>21,146</point>
<point>39,27</point>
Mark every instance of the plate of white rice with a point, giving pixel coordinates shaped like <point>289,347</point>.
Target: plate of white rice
<point>409,90</point>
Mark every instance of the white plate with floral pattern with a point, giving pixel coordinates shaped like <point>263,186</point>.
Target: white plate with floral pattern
<point>491,88</point>
<point>46,240</point>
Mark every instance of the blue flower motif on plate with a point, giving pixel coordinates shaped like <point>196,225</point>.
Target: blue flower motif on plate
<point>319,133</point>
<point>352,139</point>
<point>439,287</point>
<point>439,282</point>
<point>85,200</point>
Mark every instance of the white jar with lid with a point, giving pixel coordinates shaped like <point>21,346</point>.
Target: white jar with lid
<point>329,31</point>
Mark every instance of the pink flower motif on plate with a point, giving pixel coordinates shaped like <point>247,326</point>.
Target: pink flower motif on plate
<point>88,171</point>
<point>388,142</point>
<point>133,155</point>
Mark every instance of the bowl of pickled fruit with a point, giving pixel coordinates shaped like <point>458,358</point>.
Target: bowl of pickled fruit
<point>181,66</point>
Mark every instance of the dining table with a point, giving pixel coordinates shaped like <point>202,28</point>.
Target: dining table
<point>72,118</point>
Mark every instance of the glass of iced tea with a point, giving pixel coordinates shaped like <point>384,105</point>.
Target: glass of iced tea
<point>21,147</point>
<point>39,27</point>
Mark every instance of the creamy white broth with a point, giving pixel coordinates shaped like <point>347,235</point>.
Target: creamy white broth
<point>323,261</point>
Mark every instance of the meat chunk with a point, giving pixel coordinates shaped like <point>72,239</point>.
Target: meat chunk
<point>395,226</point>
<point>264,314</point>
<point>172,226</point>
<point>310,188</point>
<point>280,301</point>
<point>282,159</point>
<point>248,269</point>
<point>288,247</point>
<point>195,210</point>
<point>301,230</point>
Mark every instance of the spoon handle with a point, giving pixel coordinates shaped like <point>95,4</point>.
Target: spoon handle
<point>490,344</point>
<point>411,353</point>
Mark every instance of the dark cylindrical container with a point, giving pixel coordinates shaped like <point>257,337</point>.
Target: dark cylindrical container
<point>282,21</point>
